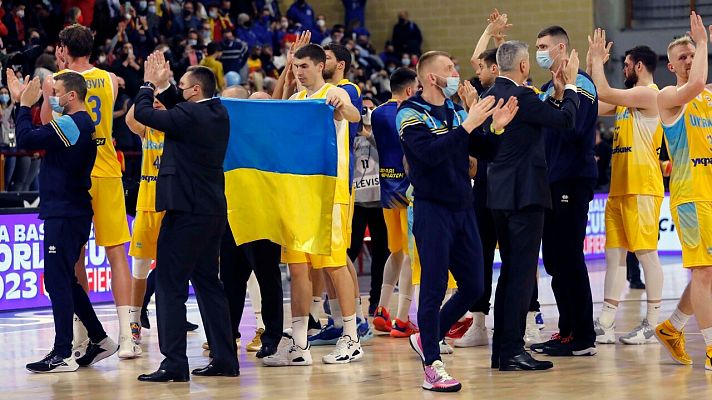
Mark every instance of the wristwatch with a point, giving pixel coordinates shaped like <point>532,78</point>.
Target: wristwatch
<point>149,85</point>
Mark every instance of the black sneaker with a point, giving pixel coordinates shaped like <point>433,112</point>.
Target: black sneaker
<point>190,327</point>
<point>539,347</point>
<point>314,326</point>
<point>98,351</point>
<point>53,363</point>
<point>145,323</point>
<point>568,348</point>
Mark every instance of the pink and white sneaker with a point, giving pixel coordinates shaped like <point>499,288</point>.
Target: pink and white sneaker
<point>438,380</point>
<point>417,346</point>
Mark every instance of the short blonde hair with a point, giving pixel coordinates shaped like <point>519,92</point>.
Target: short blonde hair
<point>428,58</point>
<point>681,41</point>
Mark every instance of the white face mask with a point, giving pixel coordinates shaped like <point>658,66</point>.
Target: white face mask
<point>213,14</point>
<point>20,14</point>
<point>321,23</point>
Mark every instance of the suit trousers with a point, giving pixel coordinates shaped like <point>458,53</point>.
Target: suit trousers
<point>488,236</point>
<point>188,249</point>
<point>373,218</point>
<point>519,233</point>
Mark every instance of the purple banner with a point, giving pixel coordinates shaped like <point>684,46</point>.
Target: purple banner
<point>22,264</point>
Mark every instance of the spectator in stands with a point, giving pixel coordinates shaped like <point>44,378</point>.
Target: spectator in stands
<point>271,5</point>
<point>321,32</point>
<point>234,54</point>
<point>337,35</point>
<point>406,35</point>
<point>7,132</point>
<point>303,14</point>
<point>86,9</point>
<point>121,132</point>
<point>211,61</point>
<point>45,65</point>
<point>244,31</point>
<point>14,21</point>
<point>186,21</point>
<point>354,10</point>
<point>262,27</point>
<point>219,23</point>
<point>270,70</point>
<point>280,30</point>
<point>74,16</point>
<point>355,29</point>
<point>154,21</point>
<point>127,67</point>
<point>254,68</point>
<point>388,55</point>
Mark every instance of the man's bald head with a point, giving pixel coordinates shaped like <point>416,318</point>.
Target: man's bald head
<point>260,96</point>
<point>432,61</point>
<point>236,92</point>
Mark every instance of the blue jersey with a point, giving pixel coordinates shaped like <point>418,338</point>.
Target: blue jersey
<point>393,180</point>
<point>355,95</point>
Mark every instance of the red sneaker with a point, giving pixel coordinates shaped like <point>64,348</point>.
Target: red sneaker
<point>459,328</point>
<point>382,320</point>
<point>403,329</point>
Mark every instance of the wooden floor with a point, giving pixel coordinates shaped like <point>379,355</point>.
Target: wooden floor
<point>390,370</point>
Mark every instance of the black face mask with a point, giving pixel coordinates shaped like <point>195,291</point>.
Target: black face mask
<point>187,13</point>
<point>180,92</point>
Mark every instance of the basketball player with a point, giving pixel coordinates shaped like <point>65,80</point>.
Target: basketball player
<point>107,193</point>
<point>636,192</point>
<point>394,184</point>
<point>308,66</point>
<point>338,62</point>
<point>144,241</point>
<point>686,114</point>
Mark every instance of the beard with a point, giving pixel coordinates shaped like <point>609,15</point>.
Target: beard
<point>327,74</point>
<point>631,80</point>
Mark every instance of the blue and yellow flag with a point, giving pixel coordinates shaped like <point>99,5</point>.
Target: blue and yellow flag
<point>280,172</point>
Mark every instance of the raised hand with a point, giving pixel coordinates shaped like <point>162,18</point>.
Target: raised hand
<point>598,49</point>
<point>698,33</point>
<point>497,24</point>
<point>503,114</point>
<point>467,93</point>
<point>13,84</point>
<point>482,110</point>
<point>571,69</point>
<point>303,39</point>
<point>31,94</point>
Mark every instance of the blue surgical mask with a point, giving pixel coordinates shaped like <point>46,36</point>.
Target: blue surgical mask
<point>4,98</point>
<point>544,59</point>
<point>54,103</point>
<point>453,82</point>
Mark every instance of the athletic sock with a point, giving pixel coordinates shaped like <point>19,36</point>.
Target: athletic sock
<point>404,302</point>
<point>316,306</point>
<point>336,313</point>
<point>679,319</point>
<point>478,319</point>
<point>124,322</point>
<point>653,314</point>
<point>299,331</point>
<point>707,334</point>
<point>258,317</point>
<point>608,314</point>
<point>350,327</point>
<point>80,333</point>
<point>134,315</point>
<point>359,309</point>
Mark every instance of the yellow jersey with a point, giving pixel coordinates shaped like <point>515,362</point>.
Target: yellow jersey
<point>150,164</point>
<point>689,141</point>
<point>342,195</point>
<point>635,166</point>
<point>100,106</point>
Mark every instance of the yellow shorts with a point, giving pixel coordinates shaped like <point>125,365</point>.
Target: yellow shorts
<point>632,222</point>
<point>107,201</point>
<point>340,238</point>
<point>693,222</point>
<point>397,227</point>
<point>415,258</point>
<point>144,240</point>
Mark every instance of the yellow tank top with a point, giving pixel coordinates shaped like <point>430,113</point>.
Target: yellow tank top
<point>342,195</point>
<point>100,106</point>
<point>689,141</point>
<point>150,164</point>
<point>635,166</point>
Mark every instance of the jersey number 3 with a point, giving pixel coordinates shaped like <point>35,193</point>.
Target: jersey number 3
<point>95,108</point>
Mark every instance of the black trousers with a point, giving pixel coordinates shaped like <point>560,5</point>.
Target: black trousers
<point>562,248</point>
<point>488,236</point>
<point>236,265</point>
<point>63,241</point>
<point>519,233</point>
<point>188,249</point>
<point>373,218</point>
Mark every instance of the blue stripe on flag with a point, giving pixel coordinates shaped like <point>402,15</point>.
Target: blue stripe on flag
<point>292,137</point>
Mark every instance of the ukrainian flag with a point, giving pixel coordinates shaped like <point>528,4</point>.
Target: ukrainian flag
<point>280,172</point>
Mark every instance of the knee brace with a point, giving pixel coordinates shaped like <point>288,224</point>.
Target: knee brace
<point>141,268</point>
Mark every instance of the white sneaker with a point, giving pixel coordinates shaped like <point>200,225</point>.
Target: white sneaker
<point>128,348</point>
<point>642,334</point>
<point>80,338</point>
<point>346,350</point>
<point>289,354</point>
<point>80,349</point>
<point>475,336</point>
<point>532,335</point>
<point>445,348</point>
<point>604,335</point>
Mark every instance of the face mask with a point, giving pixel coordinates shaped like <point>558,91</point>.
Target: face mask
<point>321,23</point>
<point>142,5</point>
<point>544,59</point>
<point>102,59</point>
<point>366,117</point>
<point>213,14</point>
<point>152,9</point>
<point>54,103</point>
<point>187,13</point>
<point>4,98</point>
<point>128,16</point>
<point>405,62</point>
<point>20,14</point>
<point>206,36</point>
<point>192,42</point>
<point>453,82</point>
<point>285,25</point>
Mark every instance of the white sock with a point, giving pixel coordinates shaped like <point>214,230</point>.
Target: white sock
<point>253,289</point>
<point>359,309</point>
<point>299,331</point>
<point>79,331</point>
<point>405,290</point>
<point>316,306</point>
<point>135,315</point>
<point>404,301</point>
<point>653,314</point>
<point>679,319</point>
<point>350,327</point>
<point>608,314</point>
<point>390,277</point>
<point>615,274</point>
<point>416,296</point>
<point>258,317</point>
<point>124,322</point>
<point>707,334</point>
<point>653,272</point>
<point>336,312</point>
<point>479,319</point>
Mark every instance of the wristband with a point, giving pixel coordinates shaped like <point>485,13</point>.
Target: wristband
<point>495,131</point>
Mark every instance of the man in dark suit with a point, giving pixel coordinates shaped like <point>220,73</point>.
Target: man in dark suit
<point>191,190</point>
<point>518,193</point>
